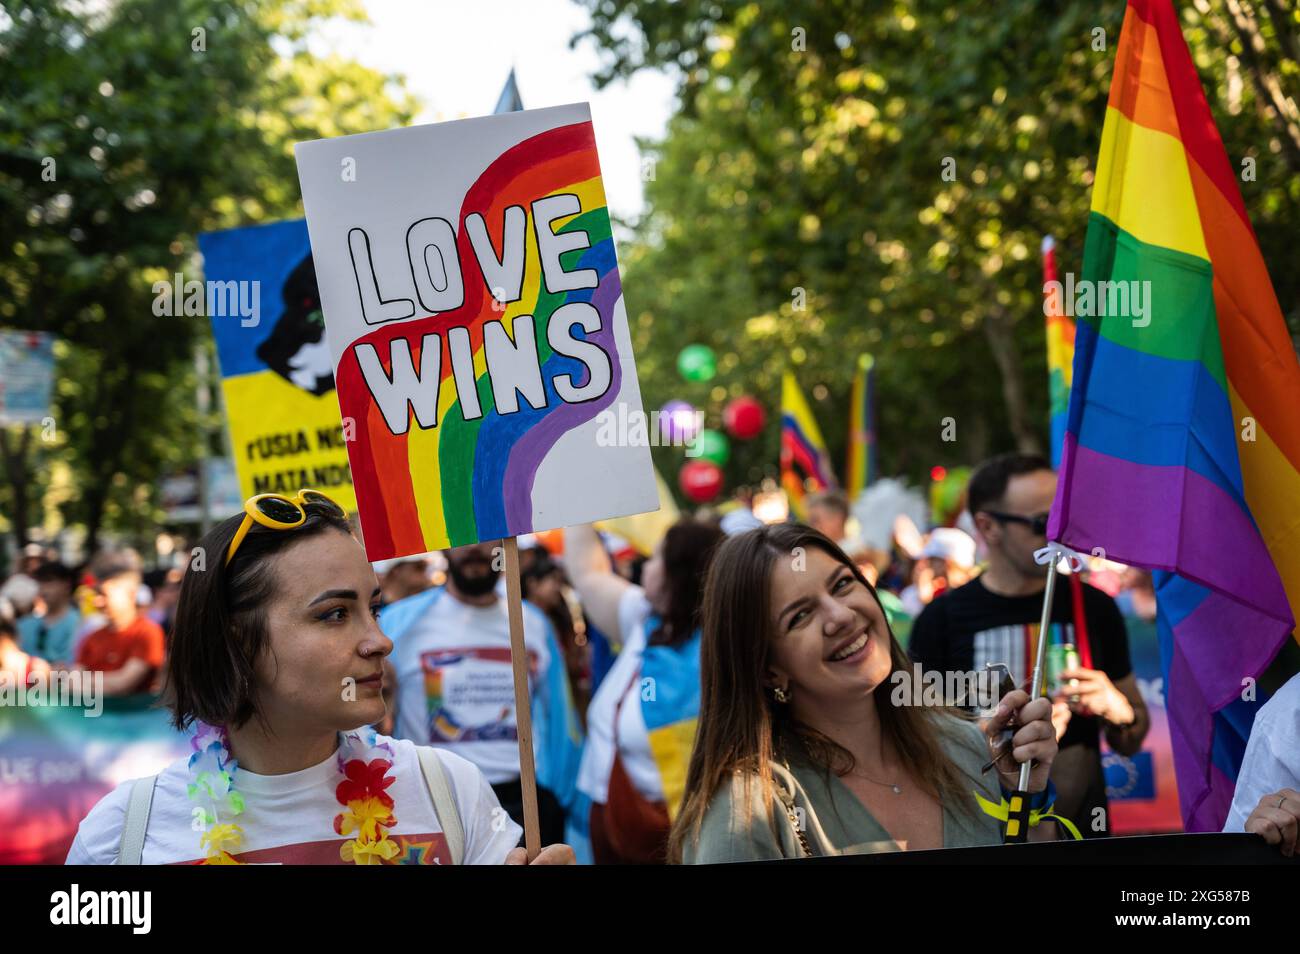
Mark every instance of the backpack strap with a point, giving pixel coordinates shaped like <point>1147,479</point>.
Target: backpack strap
<point>130,850</point>
<point>444,803</point>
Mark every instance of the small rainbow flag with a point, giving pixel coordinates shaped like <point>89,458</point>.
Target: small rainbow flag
<point>861,470</point>
<point>805,465</point>
<point>1183,446</point>
<point>1060,351</point>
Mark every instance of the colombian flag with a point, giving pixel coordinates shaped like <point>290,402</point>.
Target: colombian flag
<point>805,465</point>
<point>1182,450</point>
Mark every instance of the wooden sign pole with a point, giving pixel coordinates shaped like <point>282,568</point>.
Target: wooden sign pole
<point>523,708</point>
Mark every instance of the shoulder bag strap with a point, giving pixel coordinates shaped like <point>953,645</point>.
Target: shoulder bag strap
<point>444,803</point>
<point>131,848</point>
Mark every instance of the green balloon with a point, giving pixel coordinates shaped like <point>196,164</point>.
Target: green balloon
<point>697,363</point>
<point>713,445</point>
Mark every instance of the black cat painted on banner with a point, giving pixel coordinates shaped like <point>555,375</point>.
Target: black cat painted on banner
<point>296,348</point>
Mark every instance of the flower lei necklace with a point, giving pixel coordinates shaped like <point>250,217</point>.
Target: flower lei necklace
<point>367,807</point>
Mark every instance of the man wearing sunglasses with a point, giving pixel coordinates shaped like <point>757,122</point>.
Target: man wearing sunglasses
<point>994,619</point>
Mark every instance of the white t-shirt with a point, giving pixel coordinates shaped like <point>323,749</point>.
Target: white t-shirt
<point>455,685</point>
<point>1272,759</point>
<point>289,819</point>
<point>622,680</point>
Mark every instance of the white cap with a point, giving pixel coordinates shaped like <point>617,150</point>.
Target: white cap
<point>949,543</point>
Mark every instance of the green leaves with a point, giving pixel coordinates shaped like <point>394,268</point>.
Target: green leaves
<point>824,170</point>
<point>153,141</point>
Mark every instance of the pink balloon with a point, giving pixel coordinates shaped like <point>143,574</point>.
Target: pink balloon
<point>682,420</point>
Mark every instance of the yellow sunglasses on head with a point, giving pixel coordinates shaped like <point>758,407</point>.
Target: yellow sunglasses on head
<point>278,512</point>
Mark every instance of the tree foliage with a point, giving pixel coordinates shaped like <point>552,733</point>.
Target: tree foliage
<point>158,119</point>
<point>809,153</point>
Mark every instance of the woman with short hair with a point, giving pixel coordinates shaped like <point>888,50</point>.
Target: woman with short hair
<point>277,662</point>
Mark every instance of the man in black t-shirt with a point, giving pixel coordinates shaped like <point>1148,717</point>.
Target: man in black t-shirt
<point>995,618</point>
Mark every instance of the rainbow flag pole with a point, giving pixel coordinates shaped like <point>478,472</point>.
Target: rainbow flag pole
<point>1182,448</point>
<point>861,469</point>
<point>1060,348</point>
<point>805,464</point>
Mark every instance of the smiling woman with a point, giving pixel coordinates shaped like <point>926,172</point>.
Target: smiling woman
<point>277,663</point>
<point>800,751</point>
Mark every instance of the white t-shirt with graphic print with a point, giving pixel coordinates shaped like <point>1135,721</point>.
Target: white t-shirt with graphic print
<point>289,819</point>
<point>455,682</point>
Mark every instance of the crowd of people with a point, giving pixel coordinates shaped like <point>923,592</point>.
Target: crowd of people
<point>732,695</point>
<point>105,619</point>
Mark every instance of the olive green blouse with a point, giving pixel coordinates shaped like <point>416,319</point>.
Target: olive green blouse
<point>832,813</point>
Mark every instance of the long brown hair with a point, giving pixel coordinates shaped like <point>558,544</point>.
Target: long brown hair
<point>688,545</point>
<point>742,728</point>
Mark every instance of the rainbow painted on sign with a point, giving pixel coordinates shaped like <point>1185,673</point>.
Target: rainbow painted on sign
<point>470,476</point>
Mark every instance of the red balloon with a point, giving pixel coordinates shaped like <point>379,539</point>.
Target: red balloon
<point>701,480</point>
<point>744,418</point>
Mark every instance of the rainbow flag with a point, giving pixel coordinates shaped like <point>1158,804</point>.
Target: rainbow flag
<point>1060,350</point>
<point>1182,451</point>
<point>861,470</point>
<point>805,465</point>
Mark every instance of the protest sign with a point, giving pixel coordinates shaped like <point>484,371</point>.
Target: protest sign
<point>276,376</point>
<point>477,326</point>
<point>476,321</point>
<point>26,376</point>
